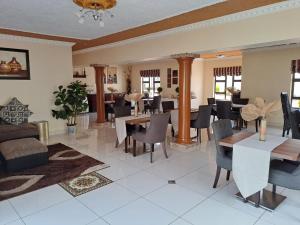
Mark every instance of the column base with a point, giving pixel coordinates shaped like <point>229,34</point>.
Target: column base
<point>175,144</point>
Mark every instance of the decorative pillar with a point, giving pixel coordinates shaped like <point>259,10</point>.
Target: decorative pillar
<point>99,77</point>
<point>184,104</point>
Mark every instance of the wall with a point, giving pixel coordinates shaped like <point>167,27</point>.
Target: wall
<point>50,66</point>
<point>209,65</point>
<point>232,33</point>
<point>266,73</point>
<point>90,79</point>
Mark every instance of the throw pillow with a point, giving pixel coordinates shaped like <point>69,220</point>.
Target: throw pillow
<point>15,112</point>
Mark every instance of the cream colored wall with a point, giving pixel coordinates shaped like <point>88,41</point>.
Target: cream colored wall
<point>266,73</point>
<point>209,65</point>
<point>50,66</point>
<point>90,80</point>
<point>270,28</point>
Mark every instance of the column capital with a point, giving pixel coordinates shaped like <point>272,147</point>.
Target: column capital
<point>99,65</point>
<point>185,55</point>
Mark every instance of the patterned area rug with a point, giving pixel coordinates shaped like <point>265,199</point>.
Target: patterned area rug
<point>85,183</point>
<point>64,164</point>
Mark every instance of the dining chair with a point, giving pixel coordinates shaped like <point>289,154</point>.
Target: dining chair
<point>119,101</point>
<point>284,173</point>
<point>167,106</point>
<point>156,133</point>
<point>286,109</point>
<point>155,104</point>
<point>295,124</point>
<point>121,111</point>
<point>141,105</point>
<point>240,101</point>
<point>222,129</point>
<point>212,102</point>
<point>202,121</point>
<point>224,112</point>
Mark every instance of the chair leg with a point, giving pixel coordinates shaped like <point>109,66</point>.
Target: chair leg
<point>274,189</point>
<point>117,143</point>
<point>288,132</point>
<point>129,140</point>
<point>217,177</point>
<point>134,148</point>
<point>144,147</point>
<point>151,153</point>
<point>257,203</point>
<point>173,132</point>
<point>228,175</point>
<point>214,118</point>
<point>208,134</point>
<point>163,145</point>
<point>283,132</point>
<point>126,145</point>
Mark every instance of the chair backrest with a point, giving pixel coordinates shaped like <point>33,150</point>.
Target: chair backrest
<point>167,106</point>
<point>156,102</point>
<point>286,106</point>
<point>119,101</point>
<point>240,101</point>
<point>211,101</point>
<point>221,129</point>
<point>295,124</point>
<point>203,117</point>
<point>141,105</point>
<point>157,130</point>
<point>121,111</point>
<point>223,109</point>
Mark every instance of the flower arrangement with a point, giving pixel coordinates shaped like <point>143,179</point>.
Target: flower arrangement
<point>233,90</point>
<point>112,90</point>
<point>134,97</point>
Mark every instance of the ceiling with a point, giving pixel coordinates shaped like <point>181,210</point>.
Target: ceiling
<point>57,17</point>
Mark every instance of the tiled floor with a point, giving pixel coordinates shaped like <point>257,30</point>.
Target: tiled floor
<point>140,193</point>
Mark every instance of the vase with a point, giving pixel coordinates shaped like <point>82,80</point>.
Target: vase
<point>4,67</point>
<point>71,129</point>
<point>263,130</point>
<point>136,109</point>
<point>15,66</point>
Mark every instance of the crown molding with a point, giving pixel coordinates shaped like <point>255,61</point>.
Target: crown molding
<point>269,9</point>
<point>7,37</point>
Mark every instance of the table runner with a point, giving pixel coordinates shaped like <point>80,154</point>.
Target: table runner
<point>251,162</point>
<point>121,125</point>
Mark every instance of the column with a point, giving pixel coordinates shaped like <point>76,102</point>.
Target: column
<point>184,104</point>
<point>99,76</point>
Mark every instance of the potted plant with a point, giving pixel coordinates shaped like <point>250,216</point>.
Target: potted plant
<point>70,101</point>
<point>177,91</point>
<point>159,90</point>
<point>112,91</point>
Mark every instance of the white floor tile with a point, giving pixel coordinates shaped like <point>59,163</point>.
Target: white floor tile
<point>142,183</point>
<point>17,222</point>
<point>140,212</point>
<point>107,199</point>
<point>70,212</point>
<point>263,222</point>
<point>227,197</point>
<point>7,213</point>
<point>118,170</point>
<point>211,212</point>
<point>175,198</point>
<point>98,222</point>
<point>40,199</point>
<point>180,222</point>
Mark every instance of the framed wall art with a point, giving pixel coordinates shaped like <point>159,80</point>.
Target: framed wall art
<point>112,77</point>
<point>14,64</point>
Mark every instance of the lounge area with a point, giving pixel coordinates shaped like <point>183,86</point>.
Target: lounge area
<point>177,113</point>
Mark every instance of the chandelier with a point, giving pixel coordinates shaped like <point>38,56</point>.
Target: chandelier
<point>97,9</point>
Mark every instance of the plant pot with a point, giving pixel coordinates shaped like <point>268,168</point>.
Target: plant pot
<point>263,130</point>
<point>71,129</point>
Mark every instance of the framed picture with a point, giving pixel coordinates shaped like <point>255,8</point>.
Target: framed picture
<point>112,75</point>
<point>169,78</point>
<point>14,64</point>
<point>175,77</point>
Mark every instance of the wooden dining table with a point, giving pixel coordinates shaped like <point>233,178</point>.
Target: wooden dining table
<point>288,150</point>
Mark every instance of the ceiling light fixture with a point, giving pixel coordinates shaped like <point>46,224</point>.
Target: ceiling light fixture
<point>98,9</point>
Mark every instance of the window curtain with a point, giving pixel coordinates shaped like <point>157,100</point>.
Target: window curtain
<point>150,73</point>
<point>296,66</point>
<point>228,71</point>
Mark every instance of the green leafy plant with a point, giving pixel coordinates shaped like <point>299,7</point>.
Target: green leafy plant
<point>177,90</point>
<point>70,101</point>
<point>159,90</point>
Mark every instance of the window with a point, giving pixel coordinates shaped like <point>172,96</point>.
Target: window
<point>295,93</point>
<point>224,78</point>
<point>150,85</point>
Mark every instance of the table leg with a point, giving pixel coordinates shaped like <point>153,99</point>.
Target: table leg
<point>134,148</point>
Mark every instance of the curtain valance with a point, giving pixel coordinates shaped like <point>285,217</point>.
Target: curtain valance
<point>228,71</point>
<point>150,73</point>
<point>296,66</point>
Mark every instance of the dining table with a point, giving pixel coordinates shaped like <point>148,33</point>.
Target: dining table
<point>282,148</point>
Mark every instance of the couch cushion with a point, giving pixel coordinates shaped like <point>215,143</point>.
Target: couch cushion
<point>10,132</point>
<point>15,112</point>
<point>21,147</point>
